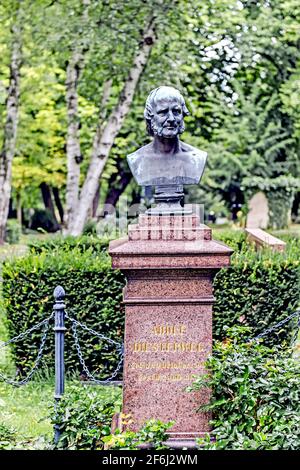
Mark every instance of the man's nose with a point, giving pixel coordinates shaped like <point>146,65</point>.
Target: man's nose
<point>171,117</point>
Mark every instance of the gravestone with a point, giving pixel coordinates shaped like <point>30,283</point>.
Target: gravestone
<point>169,260</point>
<point>258,215</point>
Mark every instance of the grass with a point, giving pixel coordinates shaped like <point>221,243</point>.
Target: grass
<point>292,231</point>
<point>26,409</point>
<point>12,251</point>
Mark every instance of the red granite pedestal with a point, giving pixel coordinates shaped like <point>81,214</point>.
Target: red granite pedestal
<point>169,263</point>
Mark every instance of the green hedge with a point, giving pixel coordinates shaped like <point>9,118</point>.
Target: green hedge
<point>83,243</point>
<point>258,290</point>
<point>94,294</point>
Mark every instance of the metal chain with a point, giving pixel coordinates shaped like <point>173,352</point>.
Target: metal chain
<point>275,327</point>
<point>18,383</point>
<point>82,361</point>
<point>86,328</point>
<point>22,335</point>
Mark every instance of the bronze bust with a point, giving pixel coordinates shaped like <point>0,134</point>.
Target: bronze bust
<point>166,163</point>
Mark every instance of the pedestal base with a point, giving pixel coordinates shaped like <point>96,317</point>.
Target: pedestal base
<point>169,263</point>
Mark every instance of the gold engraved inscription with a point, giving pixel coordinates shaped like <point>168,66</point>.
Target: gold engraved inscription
<point>164,365</point>
<point>170,347</point>
<point>166,370</point>
<point>166,377</point>
<point>169,330</point>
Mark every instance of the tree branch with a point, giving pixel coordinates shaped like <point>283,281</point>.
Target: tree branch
<point>74,156</point>
<point>101,151</point>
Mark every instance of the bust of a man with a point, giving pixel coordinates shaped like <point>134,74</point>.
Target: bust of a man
<point>166,160</point>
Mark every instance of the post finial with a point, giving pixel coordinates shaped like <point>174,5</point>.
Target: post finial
<point>59,293</point>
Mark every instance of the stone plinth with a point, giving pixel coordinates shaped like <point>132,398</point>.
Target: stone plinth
<point>169,263</point>
<point>264,239</point>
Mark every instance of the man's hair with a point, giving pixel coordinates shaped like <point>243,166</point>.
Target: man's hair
<point>148,111</point>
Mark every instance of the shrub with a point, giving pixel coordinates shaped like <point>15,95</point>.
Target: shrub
<point>256,395</point>
<point>84,416</point>
<point>7,437</point>
<point>90,227</point>
<point>259,289</point>
<point>84,419</point>
<point>280,192</point>
<point>153,434</point>
<point>94,294</point>
<point>13,232</point>
<point>83,243</point>
<point>236,239</point>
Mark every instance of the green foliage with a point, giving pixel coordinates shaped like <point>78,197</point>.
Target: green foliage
<point>90,228</point>
<point>7,437</point>
<point>259,289</point>
<point>83,243</point>
<point>236,239</point>
<point>13,231</point>
<point>280,206</point>
<point>84,418</point>
<point>236,62</point>
<point>256,392</point>
<point>243,90</point>
<point>249,140</point>
<point>153,433</point>
<point>94,294</point>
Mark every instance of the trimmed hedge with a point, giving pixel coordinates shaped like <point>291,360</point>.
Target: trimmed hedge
<point>94,295</point>
<point>83,243</point>
<point>258,290</point>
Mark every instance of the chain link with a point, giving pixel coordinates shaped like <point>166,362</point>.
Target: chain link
<point>86,328</point>
<point>22,335</point>
<point>82,361</point>
<point>18,383</point>
<point>275,327</point>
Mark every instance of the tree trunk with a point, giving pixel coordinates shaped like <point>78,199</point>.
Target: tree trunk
<point>58,204</point>
<point>11,125</point>
<point>104,143</point>
<point>102,115</point>
<point>74,157</point>
<point>96,202</point>
<point>47,198</point>
<point>19,209</point>
<point>117,185</point>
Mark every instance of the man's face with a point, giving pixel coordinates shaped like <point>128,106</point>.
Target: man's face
<point>167,120</point>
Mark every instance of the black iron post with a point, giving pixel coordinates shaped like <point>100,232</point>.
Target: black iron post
<point>59,328</point>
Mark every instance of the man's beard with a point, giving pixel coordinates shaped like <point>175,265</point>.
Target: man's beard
<point>158,130</point>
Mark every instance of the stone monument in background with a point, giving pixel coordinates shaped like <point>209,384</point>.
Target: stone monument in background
<point>258,215</point>
<point>169,260</point>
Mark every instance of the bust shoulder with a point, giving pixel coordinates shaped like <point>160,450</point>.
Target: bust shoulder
<point>192,151</point>
<point>141,152</point>
<point>138,159</point>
